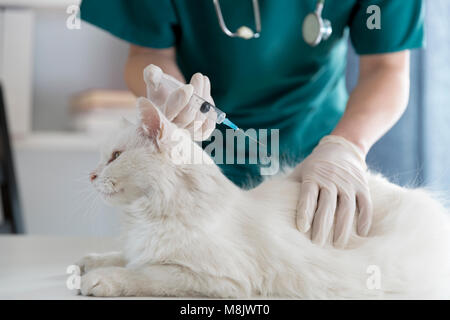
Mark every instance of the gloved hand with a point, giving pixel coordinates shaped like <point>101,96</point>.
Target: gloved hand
<point>333,185</point>
<point>182,113</point>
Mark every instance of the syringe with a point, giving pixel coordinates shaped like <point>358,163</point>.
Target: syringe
<point>208,109</point>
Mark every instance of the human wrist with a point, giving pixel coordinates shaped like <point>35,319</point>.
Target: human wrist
<point>345,143</point>
<point>357,141</point>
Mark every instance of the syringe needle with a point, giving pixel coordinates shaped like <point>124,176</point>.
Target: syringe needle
<point>250,137</point>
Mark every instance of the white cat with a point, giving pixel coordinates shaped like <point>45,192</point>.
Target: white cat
<point>188,231</point>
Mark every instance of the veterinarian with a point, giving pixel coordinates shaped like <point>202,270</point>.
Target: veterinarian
<point>275,74</point>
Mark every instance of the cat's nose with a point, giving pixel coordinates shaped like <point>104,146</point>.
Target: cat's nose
<point>93,176</point>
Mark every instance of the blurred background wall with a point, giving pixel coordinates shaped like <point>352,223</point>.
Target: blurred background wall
<point>68,61</point>
<point>53,167</point>
<point>435,85</point>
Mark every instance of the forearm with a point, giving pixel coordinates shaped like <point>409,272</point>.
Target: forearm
<point>139,58</point>
<point>377,102</point>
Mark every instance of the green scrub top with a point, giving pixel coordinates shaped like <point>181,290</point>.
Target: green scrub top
<point>276,81</point>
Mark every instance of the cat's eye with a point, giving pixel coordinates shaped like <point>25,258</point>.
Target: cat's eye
<point>114,156</point>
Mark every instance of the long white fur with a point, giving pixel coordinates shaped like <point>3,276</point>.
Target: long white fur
<point>188,231</point>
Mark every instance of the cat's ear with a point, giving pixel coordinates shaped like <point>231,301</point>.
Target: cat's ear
<point>154,124</point>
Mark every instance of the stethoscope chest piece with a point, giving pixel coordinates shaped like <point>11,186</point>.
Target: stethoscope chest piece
<point>315,28</point>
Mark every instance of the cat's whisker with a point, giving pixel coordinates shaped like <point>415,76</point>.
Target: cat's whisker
<point>93,199</point>
<point>85,198</point>
<point>84,177</point>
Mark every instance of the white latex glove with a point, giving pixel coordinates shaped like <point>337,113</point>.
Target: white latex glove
<point>333,188</point>
<point>182,113</point>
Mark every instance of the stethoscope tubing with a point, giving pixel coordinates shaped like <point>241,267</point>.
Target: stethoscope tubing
<point>227,31</point>
<point>323,33</point>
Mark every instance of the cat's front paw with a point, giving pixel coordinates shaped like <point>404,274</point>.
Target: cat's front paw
<point>103,282</point>
<point>88,263</point>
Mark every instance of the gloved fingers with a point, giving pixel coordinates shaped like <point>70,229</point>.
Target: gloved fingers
<point>345,214</point>
<point>185,117</point>
<point>155,92</point>
<point>207,90</point>
<point>199,133</point>
<point>195,126</point>
<point>198,82</point>
<point>177,101</point>
<point>323,219</point>
<point>188,116</point>
<point>208,128</point>
<point>306,206</point>
<point>365,213</point>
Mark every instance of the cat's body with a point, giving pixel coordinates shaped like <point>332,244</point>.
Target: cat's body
<point>195,233</point>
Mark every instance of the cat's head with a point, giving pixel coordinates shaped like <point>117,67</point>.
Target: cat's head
<point>145,160</point>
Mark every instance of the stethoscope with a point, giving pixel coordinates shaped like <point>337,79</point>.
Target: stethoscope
<point>314,29</point>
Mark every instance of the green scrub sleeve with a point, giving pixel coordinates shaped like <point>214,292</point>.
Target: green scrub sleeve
<point>401,26</point>
<point>147,23</point>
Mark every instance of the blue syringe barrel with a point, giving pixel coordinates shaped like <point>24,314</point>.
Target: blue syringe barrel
<point>205,107</point>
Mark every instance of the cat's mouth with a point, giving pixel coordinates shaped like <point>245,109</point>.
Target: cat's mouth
<point>110,193</point>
